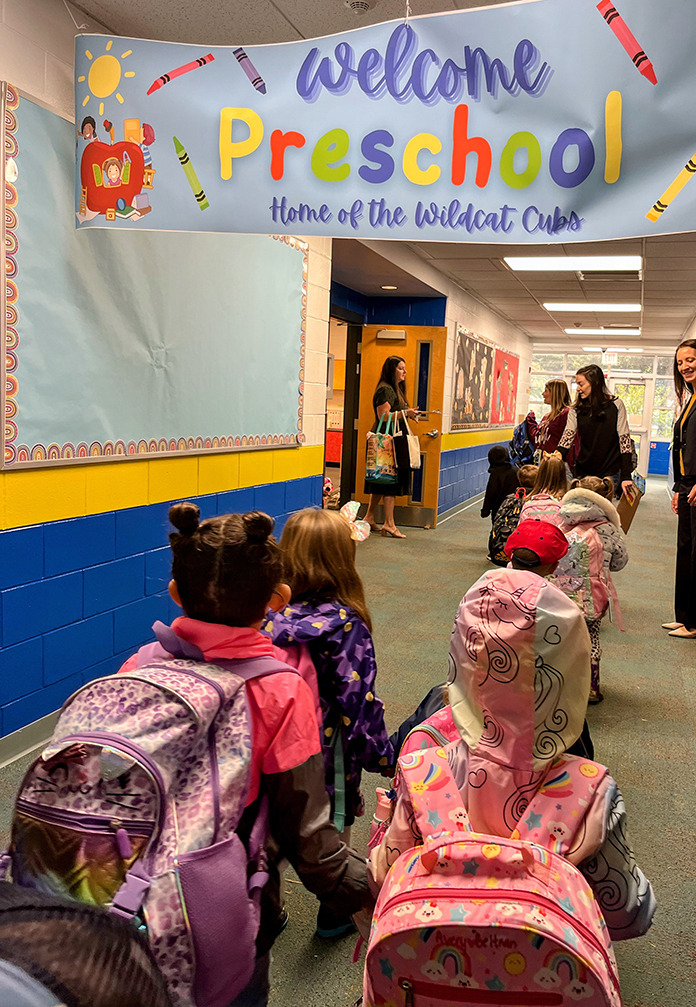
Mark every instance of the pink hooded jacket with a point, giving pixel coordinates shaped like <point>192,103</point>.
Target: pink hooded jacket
<point>519,682</point>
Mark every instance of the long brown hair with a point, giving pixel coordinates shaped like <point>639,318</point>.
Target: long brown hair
<point>388,377</point>
<point>599,393</point>
<point>680,385</point>
<point>560,397</point>
<point>320,560</point>
<point>551,478</point>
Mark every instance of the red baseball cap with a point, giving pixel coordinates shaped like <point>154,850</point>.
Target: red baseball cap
<point>544,539</point>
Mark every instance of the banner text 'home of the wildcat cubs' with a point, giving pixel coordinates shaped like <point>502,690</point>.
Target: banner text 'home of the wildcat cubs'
<point>531,122</point>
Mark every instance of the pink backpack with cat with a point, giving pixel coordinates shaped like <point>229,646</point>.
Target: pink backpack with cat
<point>474,919</point>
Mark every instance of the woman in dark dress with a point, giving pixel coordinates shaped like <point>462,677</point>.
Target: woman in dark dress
<point>684,492</point>
<point>605,440</point>
<point>390,396</point>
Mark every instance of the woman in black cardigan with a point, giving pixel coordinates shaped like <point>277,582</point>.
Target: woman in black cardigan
<point>684,492</point>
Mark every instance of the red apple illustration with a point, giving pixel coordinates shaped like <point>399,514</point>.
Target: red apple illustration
<point>111,171</point>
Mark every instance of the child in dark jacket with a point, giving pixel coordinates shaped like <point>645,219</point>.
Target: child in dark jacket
<point>508,516</point>
<point>503,479</point>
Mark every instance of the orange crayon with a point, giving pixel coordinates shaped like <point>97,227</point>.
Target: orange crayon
<point>166,77</point>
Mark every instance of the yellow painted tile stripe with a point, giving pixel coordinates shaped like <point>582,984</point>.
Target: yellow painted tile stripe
<point>470,438</point>
<point>35,496</point>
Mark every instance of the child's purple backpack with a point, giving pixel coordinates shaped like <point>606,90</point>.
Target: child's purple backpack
<point>134,805</point>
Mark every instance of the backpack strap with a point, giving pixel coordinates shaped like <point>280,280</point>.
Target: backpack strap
<point>556,812</point>
<point>435,797</point>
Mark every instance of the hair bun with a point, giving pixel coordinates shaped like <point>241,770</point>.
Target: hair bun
<point>185,517</point>
<point>258,526</point>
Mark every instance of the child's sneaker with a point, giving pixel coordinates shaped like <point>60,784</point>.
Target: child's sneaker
<point>331,924</point>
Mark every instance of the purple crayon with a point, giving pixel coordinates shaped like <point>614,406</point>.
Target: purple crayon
<point>250,70</point>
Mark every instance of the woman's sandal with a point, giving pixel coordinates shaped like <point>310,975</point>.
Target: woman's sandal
<point>672,625</point>
<point>392,534</point>
<point>684,633</point>
<point>374,527</point>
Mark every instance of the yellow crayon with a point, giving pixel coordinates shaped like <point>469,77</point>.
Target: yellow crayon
<point>612,132</point>
<point>687,173</point>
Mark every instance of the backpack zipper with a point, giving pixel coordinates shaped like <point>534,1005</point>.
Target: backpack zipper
<point>514,896</point>
<point>463,994</point>
<point>436,735</point>
<point>80,822</point>
<point>116,743</point>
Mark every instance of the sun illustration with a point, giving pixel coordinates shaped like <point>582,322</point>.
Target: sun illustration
<point>105,75</point>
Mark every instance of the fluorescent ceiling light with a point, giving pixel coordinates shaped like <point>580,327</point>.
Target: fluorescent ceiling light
<point>388,286</point>
<point>622,349</point>
<point>587,306</point>
<point>602,332</point>
<point>635,349</point>
<point>592,349</point>
<point>575,263</point>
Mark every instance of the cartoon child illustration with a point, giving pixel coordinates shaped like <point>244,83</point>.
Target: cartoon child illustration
<point>112,169</point>
<point>88,129</point>
<point>483,396</point>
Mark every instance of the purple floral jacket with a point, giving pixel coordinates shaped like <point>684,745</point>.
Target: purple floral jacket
<point>343,654</point>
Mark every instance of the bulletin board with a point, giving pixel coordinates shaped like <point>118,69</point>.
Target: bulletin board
<point>145,343</point>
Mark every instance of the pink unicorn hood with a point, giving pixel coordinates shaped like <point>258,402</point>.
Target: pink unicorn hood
<point>520,678</point>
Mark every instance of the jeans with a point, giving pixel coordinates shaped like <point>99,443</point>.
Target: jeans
<point>255,993</point>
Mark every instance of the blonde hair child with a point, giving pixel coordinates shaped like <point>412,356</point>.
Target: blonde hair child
<point>328,618</point>
<point>545,499</point>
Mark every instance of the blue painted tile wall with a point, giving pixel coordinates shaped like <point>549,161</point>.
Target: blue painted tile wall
<point>463,474</point>
<point>78,597</point>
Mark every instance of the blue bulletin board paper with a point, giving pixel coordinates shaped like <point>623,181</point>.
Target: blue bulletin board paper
<point>523,122</point>
<point>140,343</point>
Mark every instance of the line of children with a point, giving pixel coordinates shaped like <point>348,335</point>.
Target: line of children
<point>319,710</point>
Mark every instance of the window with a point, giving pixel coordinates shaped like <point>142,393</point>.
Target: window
<point>633,362</point>
<point>664,407</point>
<point>665,365</point>
<point>578,360</point>
<point>547,362</point>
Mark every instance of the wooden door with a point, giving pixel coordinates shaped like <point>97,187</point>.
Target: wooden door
<point>424,351</point>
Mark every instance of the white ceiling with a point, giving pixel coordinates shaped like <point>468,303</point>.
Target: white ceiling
<point>252,22</point>
<point>667,290</point>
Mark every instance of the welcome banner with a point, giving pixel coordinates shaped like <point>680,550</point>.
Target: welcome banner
<point>539,121</point>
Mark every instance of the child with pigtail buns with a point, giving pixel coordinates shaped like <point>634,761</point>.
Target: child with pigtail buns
<point>227,574</point>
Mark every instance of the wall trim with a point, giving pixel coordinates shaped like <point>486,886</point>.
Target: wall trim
<point>473,438</point>
<point>454,511</point>
<point>20,743</point>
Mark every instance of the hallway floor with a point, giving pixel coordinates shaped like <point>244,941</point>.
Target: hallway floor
<point>643,731</point>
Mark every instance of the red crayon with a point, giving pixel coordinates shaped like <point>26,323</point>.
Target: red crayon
<point>166,77</point>
<point>627,39</point>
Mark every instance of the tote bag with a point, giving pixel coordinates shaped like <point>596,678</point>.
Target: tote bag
<point>380,458</point>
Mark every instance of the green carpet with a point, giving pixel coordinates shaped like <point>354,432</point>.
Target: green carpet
<point>644,732</point>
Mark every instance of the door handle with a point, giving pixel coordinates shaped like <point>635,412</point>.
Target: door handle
<point>432,433</point>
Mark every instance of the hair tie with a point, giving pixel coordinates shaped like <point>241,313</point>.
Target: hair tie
<point>359,530</point>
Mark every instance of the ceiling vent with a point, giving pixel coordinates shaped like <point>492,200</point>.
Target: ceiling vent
<point>360,6</point>
<point>622,276</point>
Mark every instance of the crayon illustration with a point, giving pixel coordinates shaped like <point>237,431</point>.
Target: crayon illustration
<point>687,173</point>
<point>191,175</point>
<point>612,131</point>
<point>166,77</point>
<point>250,70</point>
<point>627,39</point>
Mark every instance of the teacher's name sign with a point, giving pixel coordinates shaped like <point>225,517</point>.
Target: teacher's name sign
<point>531,122</point>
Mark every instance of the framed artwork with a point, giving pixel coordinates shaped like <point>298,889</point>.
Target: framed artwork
<point>473,373</point>
<point>506,368</point>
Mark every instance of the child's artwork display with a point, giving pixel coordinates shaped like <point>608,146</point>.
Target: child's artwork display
<point>504,399</point>
<point>144,343</point>
<point>473,371</point>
